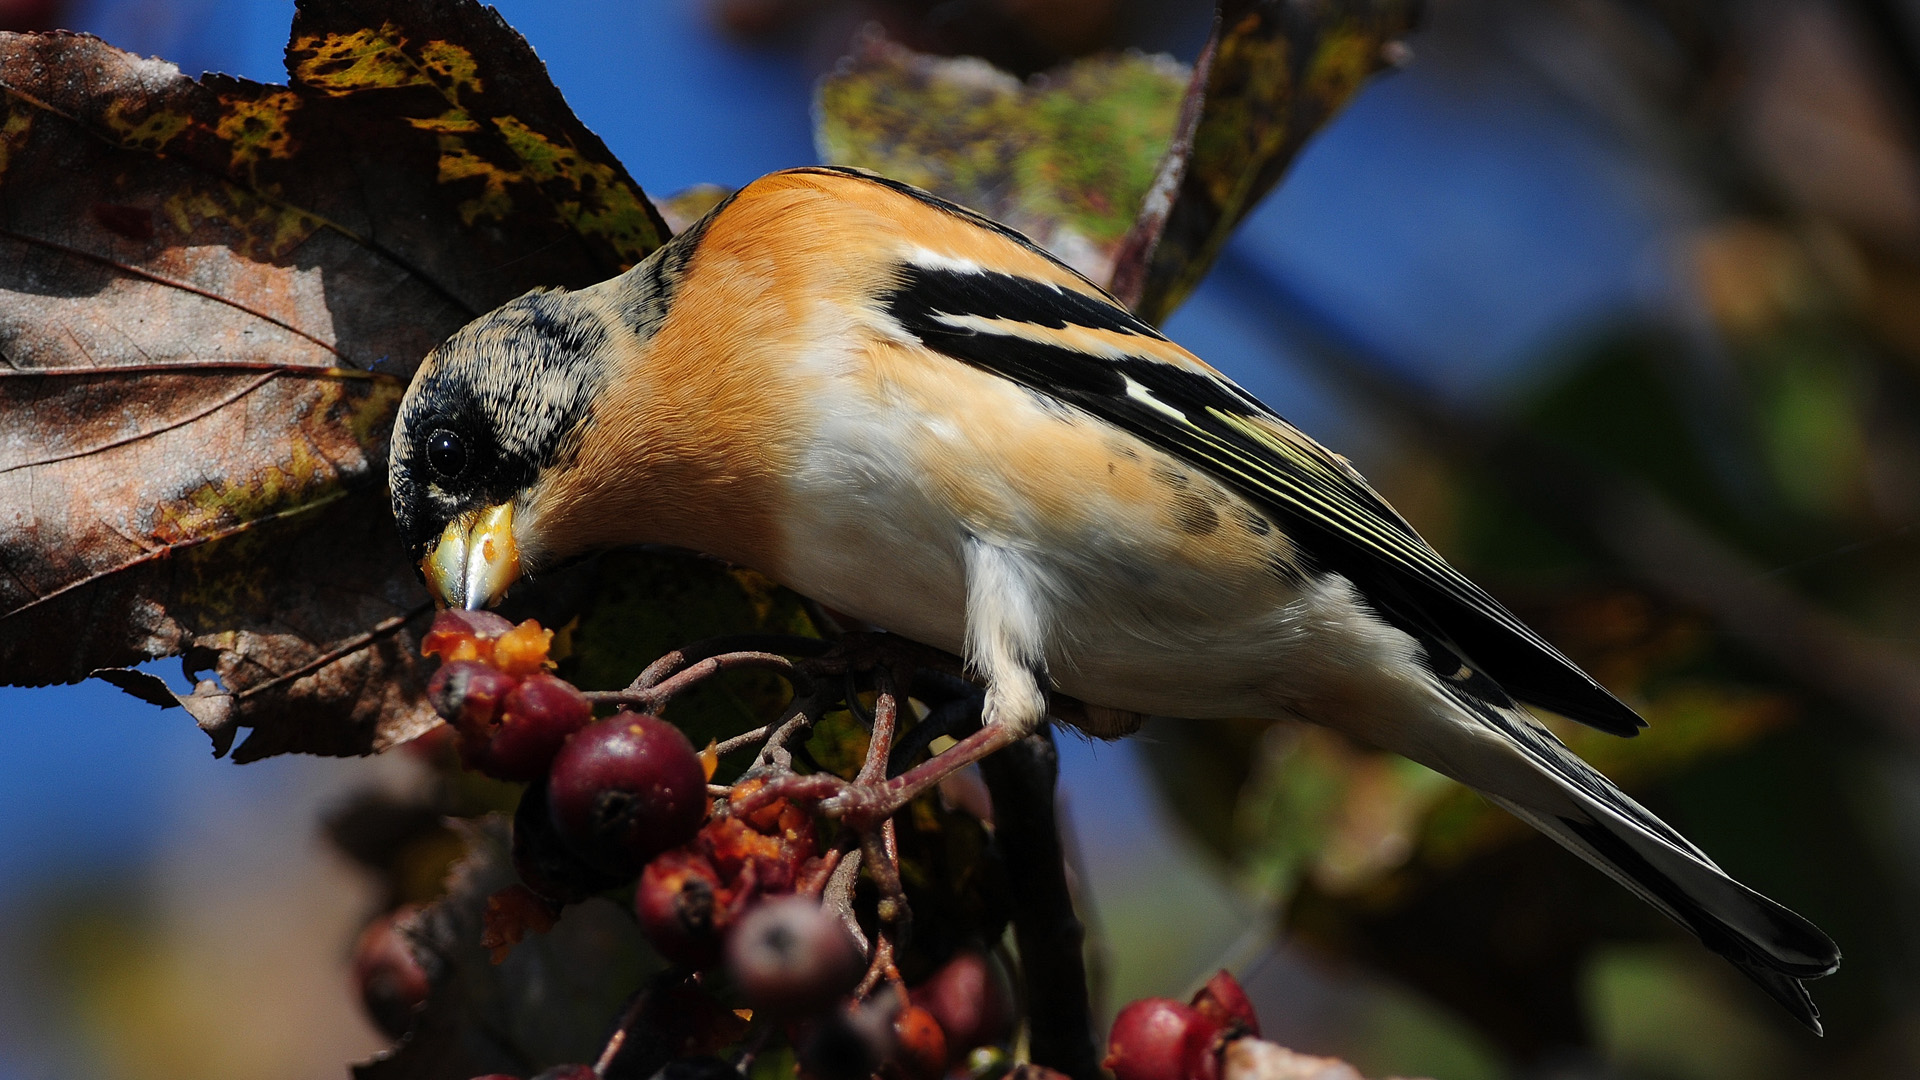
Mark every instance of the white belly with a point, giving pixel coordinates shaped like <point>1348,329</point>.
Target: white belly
<point>885,503</point>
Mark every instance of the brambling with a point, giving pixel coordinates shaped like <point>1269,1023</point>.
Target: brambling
<point>914,415</point>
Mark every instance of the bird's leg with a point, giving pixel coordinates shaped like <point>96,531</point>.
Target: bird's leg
<point>873,796</point>
<point>863,805</point>
<point>1006,644</point>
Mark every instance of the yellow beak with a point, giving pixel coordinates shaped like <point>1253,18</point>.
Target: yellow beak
<point>474,560</point>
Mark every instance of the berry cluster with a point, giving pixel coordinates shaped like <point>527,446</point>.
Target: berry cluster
<point>1216,1036</point>
<point>778,899</point>
<point>510,716</point>
<point>733,885</point>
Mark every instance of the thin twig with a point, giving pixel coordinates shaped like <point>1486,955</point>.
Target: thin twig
<point>655,698</point>
<point>619,1037</point>
<point>801,716</point>
<point>836,895</point>
<point>881,852</point>
<point>783,644</point>
<point>881,966</point>
<point>886,716</point>
<point>742,740</point>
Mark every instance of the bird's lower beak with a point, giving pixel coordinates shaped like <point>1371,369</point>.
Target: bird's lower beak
<point>474,560</point>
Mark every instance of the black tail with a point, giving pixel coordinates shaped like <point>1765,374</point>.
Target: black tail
<point>1770,944</point>
<point>1603,825</point>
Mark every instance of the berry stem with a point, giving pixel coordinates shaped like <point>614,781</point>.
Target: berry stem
<point>654,698</point>
<point>783,644</point>
<point>886,716</point>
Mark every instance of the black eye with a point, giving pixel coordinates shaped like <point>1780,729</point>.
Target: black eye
<point>446,453</point>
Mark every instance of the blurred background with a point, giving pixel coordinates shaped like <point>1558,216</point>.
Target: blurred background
<point>1617,300</point>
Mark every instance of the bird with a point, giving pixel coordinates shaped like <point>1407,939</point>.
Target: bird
<point>916,416</point>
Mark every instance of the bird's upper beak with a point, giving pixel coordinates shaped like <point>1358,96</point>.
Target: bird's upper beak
<point>474,560</point>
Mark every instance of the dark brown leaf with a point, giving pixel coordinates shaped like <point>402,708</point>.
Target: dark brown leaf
<point>211,294</point>
<point>151,689</point>
<point>1272,75</point>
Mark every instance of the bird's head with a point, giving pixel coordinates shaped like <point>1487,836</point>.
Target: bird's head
<point>492,416</point>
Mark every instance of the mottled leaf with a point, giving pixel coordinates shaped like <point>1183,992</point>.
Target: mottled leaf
<point>443,108</point>
<point>211,295</point>
<point>1065,157</point>
<point>1272,74</point>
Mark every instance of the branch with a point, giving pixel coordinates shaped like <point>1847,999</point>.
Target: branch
<point>1021,779</point>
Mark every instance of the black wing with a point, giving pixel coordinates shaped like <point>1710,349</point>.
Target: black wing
<point>1081,347</point>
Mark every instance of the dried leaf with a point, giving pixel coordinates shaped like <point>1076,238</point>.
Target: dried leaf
<point>211,295</point>
<point>1272,75</point>
<point>151,689</point>
<point>1065,157</point>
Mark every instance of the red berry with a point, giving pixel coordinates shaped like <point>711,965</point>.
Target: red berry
<point>1161,1039</point>
<point>531,726</point>
<point>1225,1003</point>
<point>920,1047</point>
<point>682,908</point>
<point>970,998</point>
<point>544,864</point>
<point>792,957</point>
<point>393,983</point>
<point>468,695</point>
<point>626,789</point>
